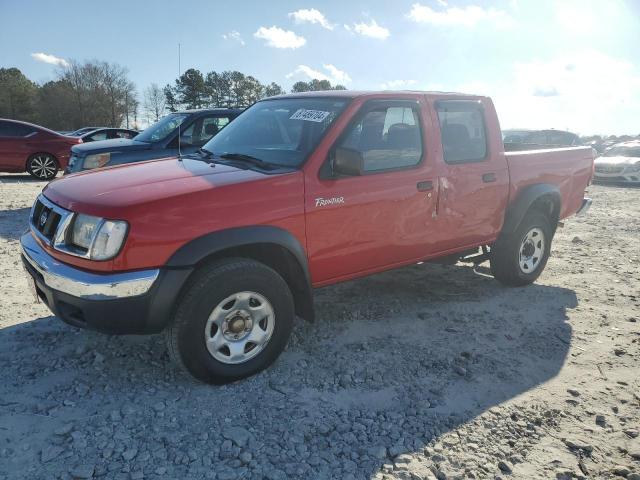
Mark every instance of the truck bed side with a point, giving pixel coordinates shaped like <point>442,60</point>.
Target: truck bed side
<point>568,169</point>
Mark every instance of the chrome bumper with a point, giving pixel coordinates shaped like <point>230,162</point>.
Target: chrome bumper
<point>584,208</point>
<point>81,284</point>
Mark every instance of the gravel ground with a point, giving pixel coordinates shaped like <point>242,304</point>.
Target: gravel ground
<point>421,373</point>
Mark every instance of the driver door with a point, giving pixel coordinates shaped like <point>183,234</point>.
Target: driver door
<point>379,219</point>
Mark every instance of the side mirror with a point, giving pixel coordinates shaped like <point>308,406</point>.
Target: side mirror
<point>347,161</point>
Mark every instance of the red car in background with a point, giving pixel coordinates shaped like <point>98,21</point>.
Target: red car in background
<point>25,147</point>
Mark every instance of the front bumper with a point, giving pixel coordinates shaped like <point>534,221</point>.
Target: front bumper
<point>621,177</point>
<point>119,303</point>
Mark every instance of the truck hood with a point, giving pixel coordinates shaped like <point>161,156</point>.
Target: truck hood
<point>97,192</point>
<point>616,160</point>
<point>114,145</point>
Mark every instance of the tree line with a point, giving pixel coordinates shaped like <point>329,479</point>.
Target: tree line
<point>89,93</point>
<point>231,89</point>
<point>97,93</point>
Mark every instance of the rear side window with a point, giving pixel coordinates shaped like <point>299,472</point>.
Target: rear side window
<point>98,136</point>
<point>123,134</point>
<point>462,130</point>
<point>388,137</point>
<point>211,126</point>
<point>10,129</point>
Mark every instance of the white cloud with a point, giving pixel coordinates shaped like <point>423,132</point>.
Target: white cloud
<point>50,59</point>
<point>334,75</point>
<point>235,36</point>
<point>278,38</point>
<point>397,84</point>
<point>311,15</point>
<point>551,94</point>
<point>467,16</point>
<point>372,30</point>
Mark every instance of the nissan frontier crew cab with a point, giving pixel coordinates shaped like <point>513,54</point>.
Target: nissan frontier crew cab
<point>221,248</point>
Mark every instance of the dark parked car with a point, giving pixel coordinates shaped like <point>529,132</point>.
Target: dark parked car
<point>82,131</point>
<point>195,127</point>
<point>107,134</point>
<point>25,147</point>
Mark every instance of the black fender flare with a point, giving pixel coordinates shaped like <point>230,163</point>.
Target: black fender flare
<point>213,243</point>
<point>523,202</point>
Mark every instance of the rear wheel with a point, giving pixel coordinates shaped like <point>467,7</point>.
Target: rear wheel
<point>233,320</point>
<point>42,166</point>
<point>519,258</point>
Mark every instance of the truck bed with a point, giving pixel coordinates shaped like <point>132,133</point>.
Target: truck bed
<point>570,169</point>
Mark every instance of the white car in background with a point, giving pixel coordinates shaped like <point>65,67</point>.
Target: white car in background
<point>619,164</point>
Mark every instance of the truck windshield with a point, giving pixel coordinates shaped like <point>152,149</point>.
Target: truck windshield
<point>162,128</point>
<point>281,132</point>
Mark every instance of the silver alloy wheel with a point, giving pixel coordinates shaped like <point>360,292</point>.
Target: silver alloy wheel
<point>239,327</point>
<point>43,166</point>
<point>531,250</point>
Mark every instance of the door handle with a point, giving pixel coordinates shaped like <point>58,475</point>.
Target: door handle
<point>424,186</point>
<point>489,177</point>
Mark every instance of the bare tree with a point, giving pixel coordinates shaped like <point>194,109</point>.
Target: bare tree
<point>154,102</point>
<point>101,91</point>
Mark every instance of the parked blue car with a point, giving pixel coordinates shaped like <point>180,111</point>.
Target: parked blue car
<point>160,140</point>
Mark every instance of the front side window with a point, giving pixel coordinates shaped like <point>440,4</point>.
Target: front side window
<point>281,132</point>
<point>462,131</point>
<point>162,128</point>
<point>387,137</point>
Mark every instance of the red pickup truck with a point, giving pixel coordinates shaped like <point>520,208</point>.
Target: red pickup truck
<point>222,248</point>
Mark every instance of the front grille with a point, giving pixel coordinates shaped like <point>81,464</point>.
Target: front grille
<point>45,219</point>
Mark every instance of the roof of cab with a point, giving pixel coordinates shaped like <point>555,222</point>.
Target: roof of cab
<point>365,93</point>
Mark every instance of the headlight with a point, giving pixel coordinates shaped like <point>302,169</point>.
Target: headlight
<point>84,229</point>
<point>101,239</point>
<point>96,161</point>
<point>633,168</point>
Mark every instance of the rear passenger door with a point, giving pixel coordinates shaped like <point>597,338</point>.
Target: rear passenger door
<point>473,176</point>
<point>366,222</point>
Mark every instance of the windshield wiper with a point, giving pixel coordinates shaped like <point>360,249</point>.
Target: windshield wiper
<point>249,159</point>
<point>205,153</point>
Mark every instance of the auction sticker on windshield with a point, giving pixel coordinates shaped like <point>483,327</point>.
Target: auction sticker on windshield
<point>309,115</point>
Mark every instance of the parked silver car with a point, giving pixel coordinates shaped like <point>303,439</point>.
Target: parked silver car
<point>619,164</point>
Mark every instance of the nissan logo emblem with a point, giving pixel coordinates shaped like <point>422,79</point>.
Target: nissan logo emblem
<point>43,218</point>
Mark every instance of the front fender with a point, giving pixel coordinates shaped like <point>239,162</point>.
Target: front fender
<point>234,239</point>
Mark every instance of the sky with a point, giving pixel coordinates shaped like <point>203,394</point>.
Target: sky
<point>567,64</point>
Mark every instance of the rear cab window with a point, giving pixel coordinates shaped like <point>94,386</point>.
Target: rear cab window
<point>463,132</point>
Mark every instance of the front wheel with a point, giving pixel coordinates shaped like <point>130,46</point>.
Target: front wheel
<point>42,166</point>
<point>233,320</point>
<point>519,258</point>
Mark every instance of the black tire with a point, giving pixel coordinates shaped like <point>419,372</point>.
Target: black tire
<point>211,285</point>
<point>505,253</point>
<point>42,166</point>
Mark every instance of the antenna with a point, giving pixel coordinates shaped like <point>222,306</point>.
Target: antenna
<point>179,124</point>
